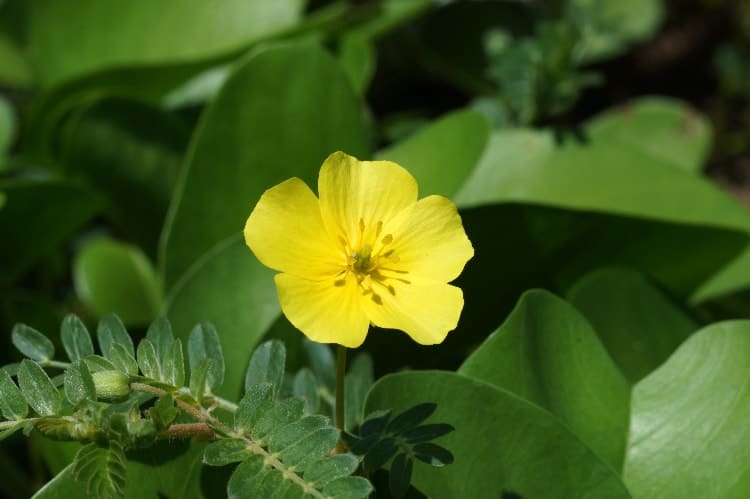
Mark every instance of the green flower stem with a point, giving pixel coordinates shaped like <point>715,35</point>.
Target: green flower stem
<point>225,404</point>
<point>55,363</point>
<point>340,414</point>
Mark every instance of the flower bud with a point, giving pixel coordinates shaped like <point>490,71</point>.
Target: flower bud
<point>111,385</point>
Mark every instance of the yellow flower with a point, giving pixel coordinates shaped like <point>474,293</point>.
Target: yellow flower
<point>366,252</point>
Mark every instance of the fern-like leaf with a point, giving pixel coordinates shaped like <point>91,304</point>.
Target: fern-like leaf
<point>101,469</point>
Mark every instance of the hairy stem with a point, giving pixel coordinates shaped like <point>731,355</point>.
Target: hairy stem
<point>188,430</point>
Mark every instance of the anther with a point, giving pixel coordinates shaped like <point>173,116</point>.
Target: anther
<point>388,239</point>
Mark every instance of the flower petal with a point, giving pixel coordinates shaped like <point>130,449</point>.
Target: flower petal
<point>323,311</point>
<point>354,193</point>
<point>427,313</point>
<point>432,244</point>
<point>286,232</point>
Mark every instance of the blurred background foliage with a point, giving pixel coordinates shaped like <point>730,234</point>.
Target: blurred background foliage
<point>599,149</point>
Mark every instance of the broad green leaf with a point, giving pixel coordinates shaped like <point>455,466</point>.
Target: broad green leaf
<point>110,331</point>
<point>256,402</point>
<point>688,430</point>
<point>443,154</point>
<point>174,365</point>
<point>204,343</point>
<point>36,218</point>
<point>731,278</point>
<point>76,339</point>
<point>126,150</point>
<point>38,389</point>
<point>662,128</point>
<point>79,384</point>
<point>522,165</point>
<point>266,365</point>
<point>605,175</point>
<point>233,291</point>
<point>148,361</point>
<point>32,343</point>
<point>12,403</point>
<point>636,322</point>
<point>70,39</point>
<point>547,353</point>
<point>114,277</point>
<point>531,453</point>
<point>241,147</point>
<point>226,451</point>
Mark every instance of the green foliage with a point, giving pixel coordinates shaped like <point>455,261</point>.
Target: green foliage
<point>112,276</point>
<point>706,379</point>
<point>380,438</point>
<point>544,352</point>
<point>32,343</point>
<point>282,451</point>
<point>278,446</point>
<point>102,469</point>
<point>12,402</point>
<point>204,344</point>
<point>520,455</point>
<point>76,339</point>
<point>636,322</point>
<point>136,138</point>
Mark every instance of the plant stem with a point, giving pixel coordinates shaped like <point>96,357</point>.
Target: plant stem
<point>340,414</point>
<point>55,363</point>
<point>188,430</point>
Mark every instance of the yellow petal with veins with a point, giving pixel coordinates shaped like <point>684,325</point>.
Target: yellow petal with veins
<point>327,311</point>
<point>432,245</point>
<point>427,313</point>
<point>356,195</point>
<point>286,232</point>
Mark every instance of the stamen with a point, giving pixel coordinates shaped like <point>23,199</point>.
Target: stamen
<point>378,228</point>
<point>388,239</point>
<point>339,283</point>
<point>361,225</point>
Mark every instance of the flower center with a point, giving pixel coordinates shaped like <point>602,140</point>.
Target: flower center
<point>368,261</point>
